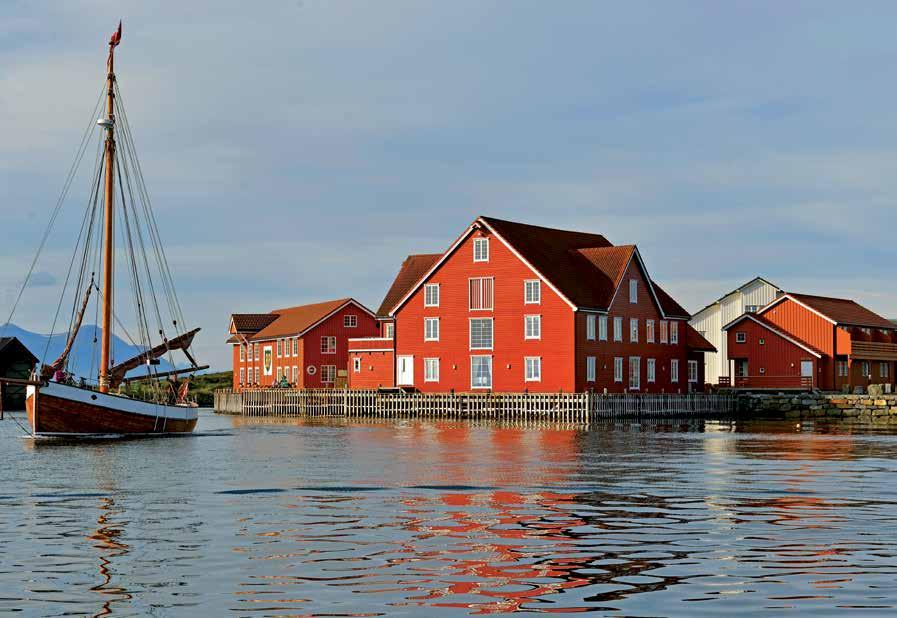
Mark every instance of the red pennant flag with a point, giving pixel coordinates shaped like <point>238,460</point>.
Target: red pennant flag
<point>116,36</point>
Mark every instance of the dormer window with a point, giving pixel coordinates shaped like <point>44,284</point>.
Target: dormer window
<point>480,249</point>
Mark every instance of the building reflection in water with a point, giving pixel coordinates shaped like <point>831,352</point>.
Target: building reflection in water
<point>106,540</point>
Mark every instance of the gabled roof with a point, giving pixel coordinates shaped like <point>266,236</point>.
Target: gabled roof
<point>738,289</point>
<point>413,268</point>
<point>759,319</point>
<point>696,342</point>
<point>838,310</point>
<point>296,321</point>
<point>251,322</point>
<point>9,344</point>
<point>584,269</point>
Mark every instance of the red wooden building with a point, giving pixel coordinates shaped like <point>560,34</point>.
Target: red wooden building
<point>514,307</point>
<point>804,341</point>
<point>307,346</point>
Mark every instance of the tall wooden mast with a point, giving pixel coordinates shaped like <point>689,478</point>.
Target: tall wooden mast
<point>109,219</point>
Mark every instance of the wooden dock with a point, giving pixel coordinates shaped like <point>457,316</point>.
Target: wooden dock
<point>558,407</point>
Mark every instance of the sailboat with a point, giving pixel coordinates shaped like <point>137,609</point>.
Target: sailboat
<point>56,403</point>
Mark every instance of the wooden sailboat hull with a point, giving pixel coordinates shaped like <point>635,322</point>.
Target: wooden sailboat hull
<point>60,410</point>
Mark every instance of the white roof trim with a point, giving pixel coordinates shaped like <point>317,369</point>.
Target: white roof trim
<point>750,316</point>
<point>794,300</point>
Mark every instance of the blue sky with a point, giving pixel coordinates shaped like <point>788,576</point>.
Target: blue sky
<point>297,151</point>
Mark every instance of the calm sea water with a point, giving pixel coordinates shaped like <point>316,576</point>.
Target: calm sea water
<point>433,519</point>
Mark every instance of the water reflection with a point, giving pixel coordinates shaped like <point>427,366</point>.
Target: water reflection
<point>106,541</point>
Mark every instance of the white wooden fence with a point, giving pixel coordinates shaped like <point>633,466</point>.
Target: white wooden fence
<point>568,407</point>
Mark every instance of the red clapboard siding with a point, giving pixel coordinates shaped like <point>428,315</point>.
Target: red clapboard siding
<point>605,351</point>
<point>333,326</point>
<point>556,346</point>
<point>779,358</point>
<point>804,324</point>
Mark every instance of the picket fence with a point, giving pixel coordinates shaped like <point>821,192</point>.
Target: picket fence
<point>570,407</point>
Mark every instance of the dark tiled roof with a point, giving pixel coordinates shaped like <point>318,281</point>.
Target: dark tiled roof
<point>413,268</point>
<point>843,311</point>
<point>670,307</point>
<point>252,322</point>
<point>696,342</point>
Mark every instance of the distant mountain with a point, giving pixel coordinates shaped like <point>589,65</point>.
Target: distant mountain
<point>83,360</point>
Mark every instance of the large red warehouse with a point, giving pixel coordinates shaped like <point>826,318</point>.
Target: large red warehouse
<point>515,307</point>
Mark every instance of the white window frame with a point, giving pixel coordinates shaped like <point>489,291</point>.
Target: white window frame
<point>491,375</point>
<point>591,371</point>
<point>431,295</point>
<point>325,349</point>
<point>328,374</point>
<point>883,369</point>
<point>256,347</point>
<point>534,333</point>
<point>350,321</point>
<point>649,331</point>
<point>618,329</point>
<point>295,374</point>
<point>279,373</point>
<point>674,333</point>
<point>257,375</point>
<point>633,330</point>
<point>534,362</point>
<point>242,353</point>
<point>618,369</point>
<point>602,328</point>
<point>479,253</point>
<point>491,333</point>
<point>389,330</point>
<point>534,286</point>
<point>470,281</point>
<point>843,369</point>
<point>590,326</point>
<point>693,371</point>
<point>429,364</point>
<point>242,375</point>
<point>664,331</point>
<point>356,364</point>
<point>651,371</point>
<point>635,378</point>
<point>740,337</point>
<point>866,369</point>
<point>295,346</point>
<point>633,291</point>
<point>674,370</point>
<point>287,348</point>
<point>279,348</point>
<point>428,329</point>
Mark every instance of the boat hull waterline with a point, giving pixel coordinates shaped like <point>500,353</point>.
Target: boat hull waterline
<point>60,410</point>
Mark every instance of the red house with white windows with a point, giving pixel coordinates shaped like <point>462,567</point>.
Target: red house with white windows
<point>304,346</point>
<point>514,307</point>
<point>805,341</point>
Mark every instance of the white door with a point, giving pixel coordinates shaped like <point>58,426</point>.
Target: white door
<point>405,375</point>
<point>806,371</point>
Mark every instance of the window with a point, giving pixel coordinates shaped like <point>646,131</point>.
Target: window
<point>761,341</point>
<point>431,329</point>
<point>295,374</point>
<point>664,328</point>
<point>590,368</point>
<point>389,330</point>
<point>693,371</point>
<point>618,369</point>
<point>532,327</point>
<point>242,376</point>
<point>480,294</point>
<point>883,370</point>
<point>286,347</point>
<point>480,249</point>
<point>242,353</point>
<point>649,331</point>
<point>481,372</point>
<point>590,327</point>
<point>296,346</point>
<point>618,329</point>
<point>328,374</point>
<point>279,348</point>
<point>635,371</point>
<point>740,337</point>
<point>652,370</point>
<point>751,308</point>
<point>279,374</point>
<point>674,370</point>
<point>481,333</point>
<point>350,321</point>
<point>532,292</point>
<point>533,366</point>
<point>633,291</point>
<point>356,365</point>
<point>633,330</point>
<point>328,344</point>
<point>602,328</point>
<point>256,358</point>
<point>674,333</point>
<point>843,369</point>
<point>431,295</point>
<point>431,370</point>
<point>866,369</point>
